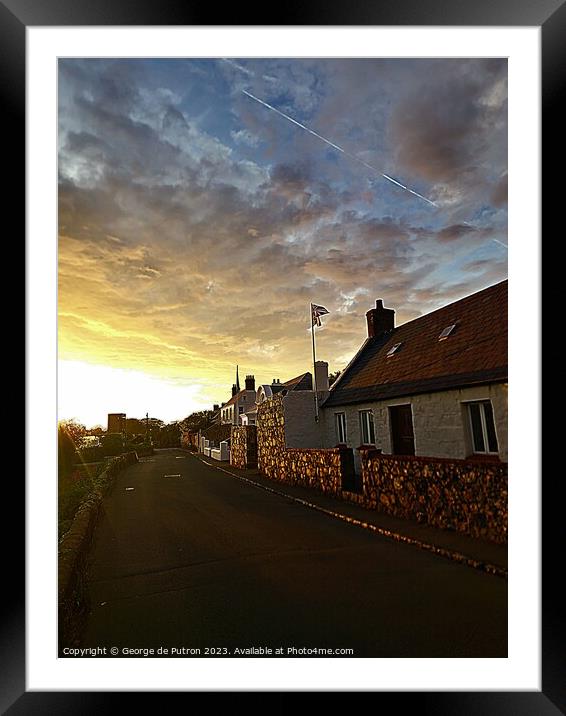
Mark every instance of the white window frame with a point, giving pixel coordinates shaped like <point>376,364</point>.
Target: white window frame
<point>340,425</point>
<point>481,404</point>
<point>363,417</point>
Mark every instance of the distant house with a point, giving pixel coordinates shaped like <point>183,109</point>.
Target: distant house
<point>435,386</point>
<point>116,422</point>
<point>300,382</point>
<point>239,403</point>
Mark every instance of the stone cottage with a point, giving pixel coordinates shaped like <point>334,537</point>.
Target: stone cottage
<point>435,386</point>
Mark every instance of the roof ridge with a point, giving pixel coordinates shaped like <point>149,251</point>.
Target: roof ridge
<point>452,303</point>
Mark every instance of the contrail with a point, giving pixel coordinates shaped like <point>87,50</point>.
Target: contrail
<point>238,67</point>
<point>467,223</point>
<point>339,149</point>
<point>245,70</point>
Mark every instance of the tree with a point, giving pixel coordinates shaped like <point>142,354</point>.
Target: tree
<point>69,435</point>
<point>169,435</point>
<point>333,377</point>
<point>199,420</point>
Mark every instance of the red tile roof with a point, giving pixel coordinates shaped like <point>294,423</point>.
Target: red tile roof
<point>475,352</point>
<point>234,398</point>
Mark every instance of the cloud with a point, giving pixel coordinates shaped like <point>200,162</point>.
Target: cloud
<point>455,232</point>
<point>194,233</point>
<point>447,125</point>
<point>499,195</point>
<point>242,136</point>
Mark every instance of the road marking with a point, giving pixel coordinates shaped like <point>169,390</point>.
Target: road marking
<point>450,554</point>
<point>171,475</point>
<point>130,488</point>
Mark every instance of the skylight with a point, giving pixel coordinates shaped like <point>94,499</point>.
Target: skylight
<point>446,332</point>
<point>393,349</point>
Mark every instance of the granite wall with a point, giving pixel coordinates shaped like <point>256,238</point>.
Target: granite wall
<point>243,447</point>
<point>323,470</point>
<point>465,495</point>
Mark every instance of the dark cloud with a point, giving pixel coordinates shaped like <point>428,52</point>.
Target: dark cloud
<point>455,232</point>
<point>197,249</point>
<point>451,128</point>
<point>499,195</point>
<point>291,177</point>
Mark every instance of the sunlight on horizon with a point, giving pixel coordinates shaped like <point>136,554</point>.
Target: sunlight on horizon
<point>88,392</point>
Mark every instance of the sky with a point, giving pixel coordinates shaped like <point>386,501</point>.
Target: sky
<point>196,224</point>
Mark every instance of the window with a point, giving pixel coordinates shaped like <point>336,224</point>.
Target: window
<point>393,350</point>
<point>340,419</point>
<point>446,332</point>
<point>240,409</point>
<point>367,430</point>
<point>482,427</point>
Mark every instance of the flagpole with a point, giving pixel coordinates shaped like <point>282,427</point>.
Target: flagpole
<point>314,368</point>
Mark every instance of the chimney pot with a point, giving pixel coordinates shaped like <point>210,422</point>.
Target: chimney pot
<point>380,320</point>
<point>321,375</point>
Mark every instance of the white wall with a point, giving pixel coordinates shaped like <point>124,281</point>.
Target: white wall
<point>440,423</point>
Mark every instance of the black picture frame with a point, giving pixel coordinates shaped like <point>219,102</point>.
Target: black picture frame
<point>550,15</point>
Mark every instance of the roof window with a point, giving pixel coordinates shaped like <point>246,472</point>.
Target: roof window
<point>393,349</point>
<point>446,332</point>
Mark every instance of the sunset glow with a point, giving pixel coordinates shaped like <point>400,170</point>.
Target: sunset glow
<point>196,225</point>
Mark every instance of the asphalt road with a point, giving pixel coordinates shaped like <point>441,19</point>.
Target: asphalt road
<point>201,560</point>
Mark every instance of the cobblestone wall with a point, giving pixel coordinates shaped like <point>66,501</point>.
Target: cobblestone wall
<point>468,496</point>
<point>310,467</point>
<point>243,446</point>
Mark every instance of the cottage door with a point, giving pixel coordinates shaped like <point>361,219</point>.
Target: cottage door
<point>402,436</point>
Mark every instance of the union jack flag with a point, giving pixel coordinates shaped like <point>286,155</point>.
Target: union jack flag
<point>316,313</point>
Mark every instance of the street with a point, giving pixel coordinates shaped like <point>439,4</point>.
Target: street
<point>190,558</point>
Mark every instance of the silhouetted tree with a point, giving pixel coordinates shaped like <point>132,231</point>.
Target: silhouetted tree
<point>333,377</point>
<point>69,434</point>
<point>200,420</point>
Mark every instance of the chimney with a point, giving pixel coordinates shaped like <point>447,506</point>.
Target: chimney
<point>380,320</point>
<point>321,376</point>
<point>215,407</point>
<point>234,389</point>
<point>250,382</point>
<point>276,381</point>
